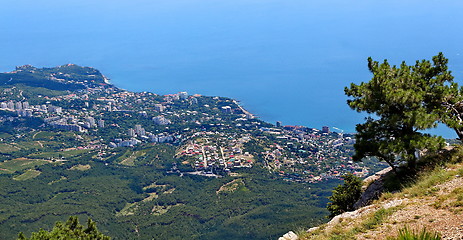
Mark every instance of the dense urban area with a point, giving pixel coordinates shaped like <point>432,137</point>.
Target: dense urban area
<point>213,135</point>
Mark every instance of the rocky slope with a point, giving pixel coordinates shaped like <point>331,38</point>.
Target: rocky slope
<point>434,202</point>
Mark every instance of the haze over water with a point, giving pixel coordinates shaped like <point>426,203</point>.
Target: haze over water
<point>286,60</point>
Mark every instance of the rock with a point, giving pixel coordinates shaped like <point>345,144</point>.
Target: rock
<point>313,229</point>
<point>374,189</point>
<point>359,213</point>
<point>289,236</point>
<point>350,215</point>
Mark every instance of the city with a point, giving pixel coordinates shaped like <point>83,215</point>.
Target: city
<point>213,136</point>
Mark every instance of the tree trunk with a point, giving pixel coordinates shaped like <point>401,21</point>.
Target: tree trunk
<point>391,164</point>
<point>459,132</point>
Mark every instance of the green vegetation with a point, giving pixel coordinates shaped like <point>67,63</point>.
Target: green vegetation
<point>73,145</point>
<point>344,196</point>
<point>16,165</point>
<point>8,148</point>
<point>437,169</point>
<point>34,95</point>
<point>375,219</point>
<point>29,174</point>
<point>66,77</point>
<point>81,167</point>
<point>404,101</point>
<point>144,198</point>
<point>407,234</point>
<point>71,229</point>
<point>347,229</point>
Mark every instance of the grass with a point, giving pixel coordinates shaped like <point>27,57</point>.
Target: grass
<point>426,183</point>
<point>433,170</point>
<point>159,210</point>
<point>407,234</point>
<point>12,166</point>
<point>129,209</point>
<point>29,174</point>
<point>4,135</point>
<point>154,185</point>
<point>20,146</point>
<point>348,229</point>
<point>129,157</point>
<point>46,135</point>
<point>55,181</point>
<point>81,167</point>
<point>30,145</point>
<point>376,219</point>
<point>232,186</point>
<point>430,167</point>
<point>60,154</point>
<point>452,201</point>
<point>8,148</point>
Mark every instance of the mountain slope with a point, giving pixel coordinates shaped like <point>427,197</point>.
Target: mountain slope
<point>434,202</point>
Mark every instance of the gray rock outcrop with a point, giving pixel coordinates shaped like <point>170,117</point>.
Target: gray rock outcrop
<point>374,186</point>
<point>289,236</point>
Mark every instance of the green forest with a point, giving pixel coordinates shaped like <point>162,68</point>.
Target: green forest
<point>143,201</point>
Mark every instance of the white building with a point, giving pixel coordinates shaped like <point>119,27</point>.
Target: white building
<point>161,120</point>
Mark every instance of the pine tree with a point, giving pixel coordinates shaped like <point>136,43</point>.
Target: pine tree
<point>344,196</point>
<point>69,230</point>
<point>402,102</point>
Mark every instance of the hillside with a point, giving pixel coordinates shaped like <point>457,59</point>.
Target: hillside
<point>146,166</point>
<point>65,77</point>
<point>434,201</point>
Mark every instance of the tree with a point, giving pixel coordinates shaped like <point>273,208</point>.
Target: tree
<point>402,101</point>
<point>444,96</point>
<point>69,230</point>
<point>344,196</point>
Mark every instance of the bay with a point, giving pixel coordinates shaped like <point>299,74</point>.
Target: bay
<point>285,61</point>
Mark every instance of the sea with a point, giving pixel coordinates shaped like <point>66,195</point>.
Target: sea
<point>284,60</point>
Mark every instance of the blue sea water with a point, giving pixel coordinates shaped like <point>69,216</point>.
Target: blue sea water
<point>285,60</point>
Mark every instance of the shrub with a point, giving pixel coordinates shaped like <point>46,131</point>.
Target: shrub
<point>344,196</point>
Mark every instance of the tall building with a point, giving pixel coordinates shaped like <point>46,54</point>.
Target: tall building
<point>159,107</point>
<point>161,120</point>
<point>325,129</point>
<point>278,124</point>
<point>55,109</point>
<point>10,105</point>
<point>91,121</point>
<point>131,132</point>
<point>18,106</point>
<point>194,101</point>
<point>183,95</point>
<point>227,109</point>
<point>139,130</point>
<point>25,105</point>
<point>101,123</point>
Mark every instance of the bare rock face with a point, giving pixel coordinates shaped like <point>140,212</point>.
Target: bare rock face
<point>374,189</point>
<point>289,236</point>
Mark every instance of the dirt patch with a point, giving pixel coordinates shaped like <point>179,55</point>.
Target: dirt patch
<point>81,167</point>
<point>419,214</point>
